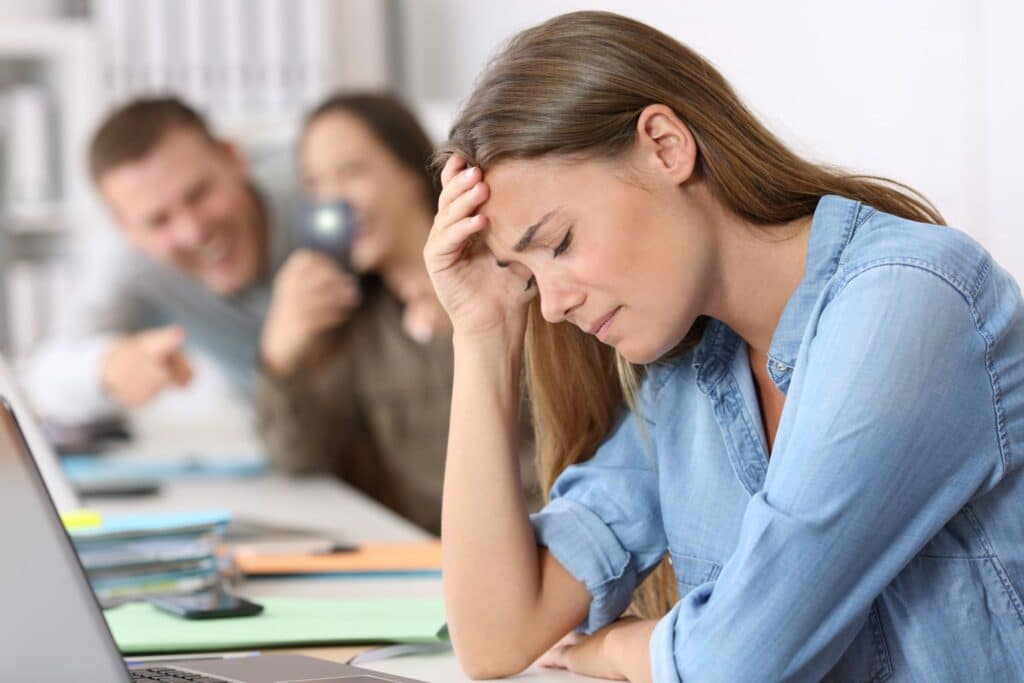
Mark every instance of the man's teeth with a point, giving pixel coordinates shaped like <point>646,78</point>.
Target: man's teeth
<point>214,251</point>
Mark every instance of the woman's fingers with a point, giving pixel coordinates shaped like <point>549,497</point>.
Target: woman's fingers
<point>555,657</point>
<point>464,206</point>
<point>454,164</point>
<point>457,186</point>
<point>324,315</point>
<point>321,301</point>
<point>446,246</point>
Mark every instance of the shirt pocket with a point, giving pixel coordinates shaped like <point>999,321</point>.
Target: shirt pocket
<point>955,619</point>
<point>867,660</point>
<point>692,571</point>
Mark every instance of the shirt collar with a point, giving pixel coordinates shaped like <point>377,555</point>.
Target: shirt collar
<point>832,227</point>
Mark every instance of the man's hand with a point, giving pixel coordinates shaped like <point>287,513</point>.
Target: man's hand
<point>311,295</point>
<point>139,366</point>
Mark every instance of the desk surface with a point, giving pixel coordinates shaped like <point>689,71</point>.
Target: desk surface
<point>326,504</point>
<point>316,502</point>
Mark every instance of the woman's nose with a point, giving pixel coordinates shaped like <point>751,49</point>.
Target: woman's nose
<point>557,300</point>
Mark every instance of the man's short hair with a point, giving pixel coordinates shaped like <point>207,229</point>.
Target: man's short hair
<point>131,131</point>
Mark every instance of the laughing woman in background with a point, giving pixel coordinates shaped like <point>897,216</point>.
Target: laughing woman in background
<point>357,359</point>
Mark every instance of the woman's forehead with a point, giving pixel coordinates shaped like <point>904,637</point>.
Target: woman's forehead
<point>518,199</point>
<point>522,190</point>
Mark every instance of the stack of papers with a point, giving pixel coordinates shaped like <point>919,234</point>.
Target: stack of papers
<point>128,558</point>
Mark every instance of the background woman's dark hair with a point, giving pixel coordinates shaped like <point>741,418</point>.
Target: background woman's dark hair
<point>393,125</point>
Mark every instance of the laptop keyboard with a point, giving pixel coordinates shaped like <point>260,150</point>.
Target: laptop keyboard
<point>165,675</point>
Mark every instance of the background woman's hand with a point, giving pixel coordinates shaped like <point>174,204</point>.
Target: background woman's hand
<point>311,295</point>
<point>478,296</point>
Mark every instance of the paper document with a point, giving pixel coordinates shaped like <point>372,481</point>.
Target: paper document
<point>141,628</point>
<point>368,558</point>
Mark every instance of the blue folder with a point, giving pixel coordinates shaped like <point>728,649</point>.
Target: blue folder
<point>90,469</point>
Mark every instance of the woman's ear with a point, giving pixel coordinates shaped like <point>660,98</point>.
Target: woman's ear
<point>666,142</point>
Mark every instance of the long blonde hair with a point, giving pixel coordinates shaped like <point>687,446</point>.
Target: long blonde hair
<point>575,86</point>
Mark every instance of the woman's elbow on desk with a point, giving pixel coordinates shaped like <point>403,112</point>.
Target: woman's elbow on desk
<point>504,637</point>
<point>484,658</point>
<point>484,668</point>
<point>486,653</point>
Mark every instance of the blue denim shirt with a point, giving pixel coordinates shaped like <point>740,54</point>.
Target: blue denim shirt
<point>884,539</point>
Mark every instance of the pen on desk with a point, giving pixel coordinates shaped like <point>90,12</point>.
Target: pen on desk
<point>336,548</point>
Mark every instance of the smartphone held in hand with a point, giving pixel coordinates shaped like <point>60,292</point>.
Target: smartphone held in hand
<point>327,227</point>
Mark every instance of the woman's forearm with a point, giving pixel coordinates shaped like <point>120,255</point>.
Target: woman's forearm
<point>632,649</point>
<point>491,571</point>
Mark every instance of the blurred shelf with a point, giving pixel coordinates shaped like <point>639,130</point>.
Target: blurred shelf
<point>38,233</point>
<point>41,217</point>
<point>66,56</point>
<point>33,246</point>
<point>46,38</point>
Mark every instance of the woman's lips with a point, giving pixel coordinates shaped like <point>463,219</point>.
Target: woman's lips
<point>600,328</point>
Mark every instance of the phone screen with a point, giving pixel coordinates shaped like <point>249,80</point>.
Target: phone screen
<point>207,605</point>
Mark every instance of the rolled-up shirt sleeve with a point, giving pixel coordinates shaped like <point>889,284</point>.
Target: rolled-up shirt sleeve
<point>889,430</point>
<point>603,521</point>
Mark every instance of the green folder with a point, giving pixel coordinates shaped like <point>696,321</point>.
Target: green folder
<point>140,628</point>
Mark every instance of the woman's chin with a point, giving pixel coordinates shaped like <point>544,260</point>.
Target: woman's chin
<point>632,354</point>
<point>642,354</point>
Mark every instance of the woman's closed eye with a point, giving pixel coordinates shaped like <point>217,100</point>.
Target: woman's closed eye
<point>558,251</point>
<point>564,244</point>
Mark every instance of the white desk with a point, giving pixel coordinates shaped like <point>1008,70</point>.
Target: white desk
<point>317,502</point>
<point>322,503</point>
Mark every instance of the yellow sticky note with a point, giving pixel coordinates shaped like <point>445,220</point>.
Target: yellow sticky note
<point>81,519</point>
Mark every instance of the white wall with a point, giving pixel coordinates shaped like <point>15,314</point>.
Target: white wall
<point>929,92</point>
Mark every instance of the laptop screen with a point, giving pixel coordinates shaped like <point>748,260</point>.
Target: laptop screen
<point>50,624</point>
<point>64,496</point>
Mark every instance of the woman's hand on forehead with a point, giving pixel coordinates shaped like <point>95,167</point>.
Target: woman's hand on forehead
<point>476,295</point>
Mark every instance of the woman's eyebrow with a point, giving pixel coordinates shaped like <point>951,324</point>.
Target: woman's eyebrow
<point>524,241</point>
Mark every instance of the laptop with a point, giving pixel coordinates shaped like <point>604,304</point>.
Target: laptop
<point>52,628</point>
<point>65,497</point>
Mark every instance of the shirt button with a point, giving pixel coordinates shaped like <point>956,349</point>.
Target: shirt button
<point>780,366</point>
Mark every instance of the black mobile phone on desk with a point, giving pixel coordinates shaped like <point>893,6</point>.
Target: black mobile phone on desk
<point>212,604</point>
<point>328,227</point>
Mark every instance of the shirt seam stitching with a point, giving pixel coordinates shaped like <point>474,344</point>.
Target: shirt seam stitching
<point>751,434</point>
<point>1011,594</point>
<point>965,291</point>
